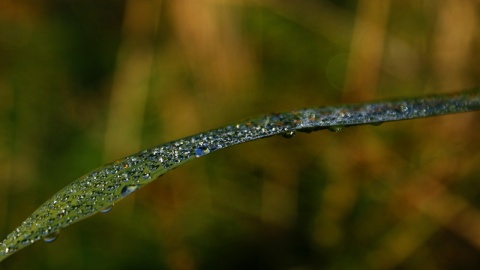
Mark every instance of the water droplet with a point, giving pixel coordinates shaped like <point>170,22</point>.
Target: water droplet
<point>26,242</point>
<point>107,209</point>
<point>403,108</point>
<point>51,237</point>
<point>201,152</point>
<point>289,134</point>
<point>61,214</point>
<point>126,190</point>
<point>335,128</point>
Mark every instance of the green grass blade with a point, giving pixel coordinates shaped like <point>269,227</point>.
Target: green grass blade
<point>99,189</point>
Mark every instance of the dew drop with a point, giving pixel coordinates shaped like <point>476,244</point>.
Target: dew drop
<point>289,134</point>
<point>26,242</point>
<point>126,190</point>
<point>201,152</point>
<point>61,214</point>
<point>51,237</point>
<point>335,128</point>
<point>107,209</point>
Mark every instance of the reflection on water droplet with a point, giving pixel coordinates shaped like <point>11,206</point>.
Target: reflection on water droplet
<point>51,237</point>
<point>61,214</point>
<point>106,210</point>
<point>27,241</point>
<point>289,134</point>
<point>201,152</point>
<point>127,190</point>
<point>335,128</point>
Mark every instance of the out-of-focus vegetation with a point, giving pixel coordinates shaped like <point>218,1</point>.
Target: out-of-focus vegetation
<point>83,83</point>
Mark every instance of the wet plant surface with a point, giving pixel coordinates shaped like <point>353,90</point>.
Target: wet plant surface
<point>99,190</point>
<point>83,84</point>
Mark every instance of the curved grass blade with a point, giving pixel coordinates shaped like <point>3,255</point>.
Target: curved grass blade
<point>99,189</point>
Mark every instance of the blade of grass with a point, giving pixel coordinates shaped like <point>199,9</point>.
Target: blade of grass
<point>99,189</point>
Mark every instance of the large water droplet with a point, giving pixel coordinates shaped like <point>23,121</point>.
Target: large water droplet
<point>126,190</point>
<point>201,152</point>
<point>107,209</point>
<point>289,134</point>
<point>51,237</point>
<point>335,128</point>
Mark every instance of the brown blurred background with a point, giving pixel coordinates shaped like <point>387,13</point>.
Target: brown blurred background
<point>85,82</point>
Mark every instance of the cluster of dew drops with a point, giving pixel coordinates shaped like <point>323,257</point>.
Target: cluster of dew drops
<point>149,164</point>
<point>199,151</point>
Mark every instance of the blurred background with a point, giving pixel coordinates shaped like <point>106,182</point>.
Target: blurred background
<point>83,83</point>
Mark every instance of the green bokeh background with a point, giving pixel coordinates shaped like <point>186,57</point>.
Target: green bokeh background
<point>83,83</point>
